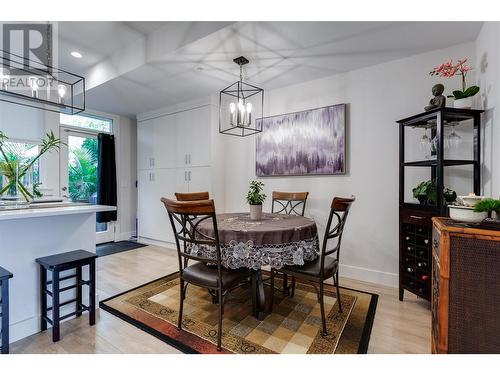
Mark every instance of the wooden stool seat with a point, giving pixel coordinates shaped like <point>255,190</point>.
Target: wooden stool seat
<point>56,264</point>
<point>4,310</point>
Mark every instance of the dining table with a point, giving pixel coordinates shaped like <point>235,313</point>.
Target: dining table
<point>275,240</point>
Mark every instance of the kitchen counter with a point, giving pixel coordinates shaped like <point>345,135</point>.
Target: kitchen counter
<point>41,230</point>
<point>51,209</point>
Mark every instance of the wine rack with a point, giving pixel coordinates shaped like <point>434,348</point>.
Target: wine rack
<point>417,259</point>
<point>415,225</point>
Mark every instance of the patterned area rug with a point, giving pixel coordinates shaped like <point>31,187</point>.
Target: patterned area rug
<point>293,326</point>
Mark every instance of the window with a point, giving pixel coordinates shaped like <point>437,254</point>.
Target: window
<point>99,124</point>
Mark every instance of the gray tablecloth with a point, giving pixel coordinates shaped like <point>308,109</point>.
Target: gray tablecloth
<point>276,240</point>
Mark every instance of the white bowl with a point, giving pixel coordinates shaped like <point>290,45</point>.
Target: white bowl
<point>466,214</point>
<point>469,200</point>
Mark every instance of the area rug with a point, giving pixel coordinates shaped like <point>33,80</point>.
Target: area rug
<point>109,248</point>
<point>293,326</point>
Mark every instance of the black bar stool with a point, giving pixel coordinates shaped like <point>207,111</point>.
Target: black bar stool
<point>4,308</point>
<point>57,264</point>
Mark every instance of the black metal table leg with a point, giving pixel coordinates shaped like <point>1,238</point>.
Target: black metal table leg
<point>258,295</point>
<point>5,316</point>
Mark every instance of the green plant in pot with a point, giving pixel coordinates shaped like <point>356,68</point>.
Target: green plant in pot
<point>14,168</point>
<point>426,193</point>
<point>488,205</point>
<point>255,198</point>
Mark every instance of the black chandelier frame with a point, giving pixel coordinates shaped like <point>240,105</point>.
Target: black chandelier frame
<point>75,102</point>
<point>241,90</point>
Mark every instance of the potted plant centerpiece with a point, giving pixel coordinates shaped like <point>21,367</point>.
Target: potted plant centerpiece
<point>489,205</point>
<point>255,198</point>
<point>463,98</point>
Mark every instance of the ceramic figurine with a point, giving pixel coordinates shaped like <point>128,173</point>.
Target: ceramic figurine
<point>439,100</point>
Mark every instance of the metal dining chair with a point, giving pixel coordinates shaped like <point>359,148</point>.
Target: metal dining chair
<point>288,203</point>
<point>185,218</point>
<point>327,264</point>
<point>200,196</point>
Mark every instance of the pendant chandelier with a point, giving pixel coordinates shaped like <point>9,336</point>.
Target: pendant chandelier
<point>241,106</point>
<point>34,84</point>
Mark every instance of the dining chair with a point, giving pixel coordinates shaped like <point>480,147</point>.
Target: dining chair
<point>185,218</point>
<point>200,196</point>
<point>327,264</point>
<point>289,203</point>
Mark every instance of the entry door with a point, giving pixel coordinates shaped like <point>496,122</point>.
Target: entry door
<point>79,174</point>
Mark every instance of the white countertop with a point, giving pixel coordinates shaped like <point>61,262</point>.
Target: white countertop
<point>53,209</point>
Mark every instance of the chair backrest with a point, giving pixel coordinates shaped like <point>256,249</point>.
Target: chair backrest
<point>339,210</point>
<point>185,218</point>
<point>289,203</point>
<point>200,196</point>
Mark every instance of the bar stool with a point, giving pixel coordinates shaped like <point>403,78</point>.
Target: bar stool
<point>57,264</point>
<point>4,310</point>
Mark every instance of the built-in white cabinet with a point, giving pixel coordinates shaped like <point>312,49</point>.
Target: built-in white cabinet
<point>174,155</point>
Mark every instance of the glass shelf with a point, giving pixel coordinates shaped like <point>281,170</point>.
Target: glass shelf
<point>433,163</point>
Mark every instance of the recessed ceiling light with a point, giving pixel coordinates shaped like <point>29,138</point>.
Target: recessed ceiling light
<point>76,54</point>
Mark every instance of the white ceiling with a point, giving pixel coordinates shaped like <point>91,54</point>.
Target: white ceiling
<point>133,67</point>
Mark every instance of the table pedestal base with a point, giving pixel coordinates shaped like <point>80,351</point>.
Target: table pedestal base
<point>258,295</point>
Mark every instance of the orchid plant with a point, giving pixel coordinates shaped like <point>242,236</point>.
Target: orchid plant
<point>448,69</point>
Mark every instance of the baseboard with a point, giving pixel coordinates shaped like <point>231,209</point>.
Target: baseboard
<point>369,275</point>
<point>149,241</point>
<point>125,236</point>
<point>31,326</point>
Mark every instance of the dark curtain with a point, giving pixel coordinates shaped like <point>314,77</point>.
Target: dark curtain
<point>106,176</point>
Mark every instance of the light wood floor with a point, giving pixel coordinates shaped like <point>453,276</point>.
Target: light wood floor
<point>399,327</point>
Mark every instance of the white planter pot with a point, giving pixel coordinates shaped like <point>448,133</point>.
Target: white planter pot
<point>255,211</point>
<point>463,103</point>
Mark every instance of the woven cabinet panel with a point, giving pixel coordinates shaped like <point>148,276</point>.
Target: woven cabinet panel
<point>474,296</point>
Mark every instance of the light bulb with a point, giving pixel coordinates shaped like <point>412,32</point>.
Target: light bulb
<point>241,107</point>
<point>232,107</point>
<point>34,86</point>
<point>249,107</point>
<point>61,89</point>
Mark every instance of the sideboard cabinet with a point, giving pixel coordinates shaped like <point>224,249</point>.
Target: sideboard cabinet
<point>465,288</point>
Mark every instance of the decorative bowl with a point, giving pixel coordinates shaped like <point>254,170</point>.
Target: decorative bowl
<point>466,214</point>
<point>469,200</point>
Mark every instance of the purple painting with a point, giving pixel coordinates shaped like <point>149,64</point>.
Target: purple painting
<point>303,143</point>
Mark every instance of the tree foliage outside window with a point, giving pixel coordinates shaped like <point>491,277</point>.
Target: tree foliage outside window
<point>82,170</point>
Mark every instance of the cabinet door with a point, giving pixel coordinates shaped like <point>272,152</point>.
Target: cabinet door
<point>183,138</point>
<point>200,128</point>
<point>145,144</point>
<point>145,200</point>
<point>165,140</point>
<point>200,179</point>
<point>165,186</point>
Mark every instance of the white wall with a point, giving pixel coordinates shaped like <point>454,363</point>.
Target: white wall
<point>488,78</point>
<point>31,125</point>
<point>377,96</point>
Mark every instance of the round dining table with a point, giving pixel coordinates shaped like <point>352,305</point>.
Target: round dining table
<point>275,240</point>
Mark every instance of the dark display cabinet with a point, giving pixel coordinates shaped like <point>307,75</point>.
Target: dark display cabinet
<point>415,219</point>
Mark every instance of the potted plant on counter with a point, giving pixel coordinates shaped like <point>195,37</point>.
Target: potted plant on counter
<point>255,198</point>
<point>463,98</point>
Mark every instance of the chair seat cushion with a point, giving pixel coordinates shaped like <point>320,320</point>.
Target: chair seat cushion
<point>206,276</point>
<point>313,268</point>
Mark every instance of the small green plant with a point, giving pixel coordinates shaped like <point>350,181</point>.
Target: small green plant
<point>255,195</point>
<point>488,205</point>
<point>426,193</point>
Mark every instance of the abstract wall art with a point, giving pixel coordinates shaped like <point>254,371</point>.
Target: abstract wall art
<point>311,142</point>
